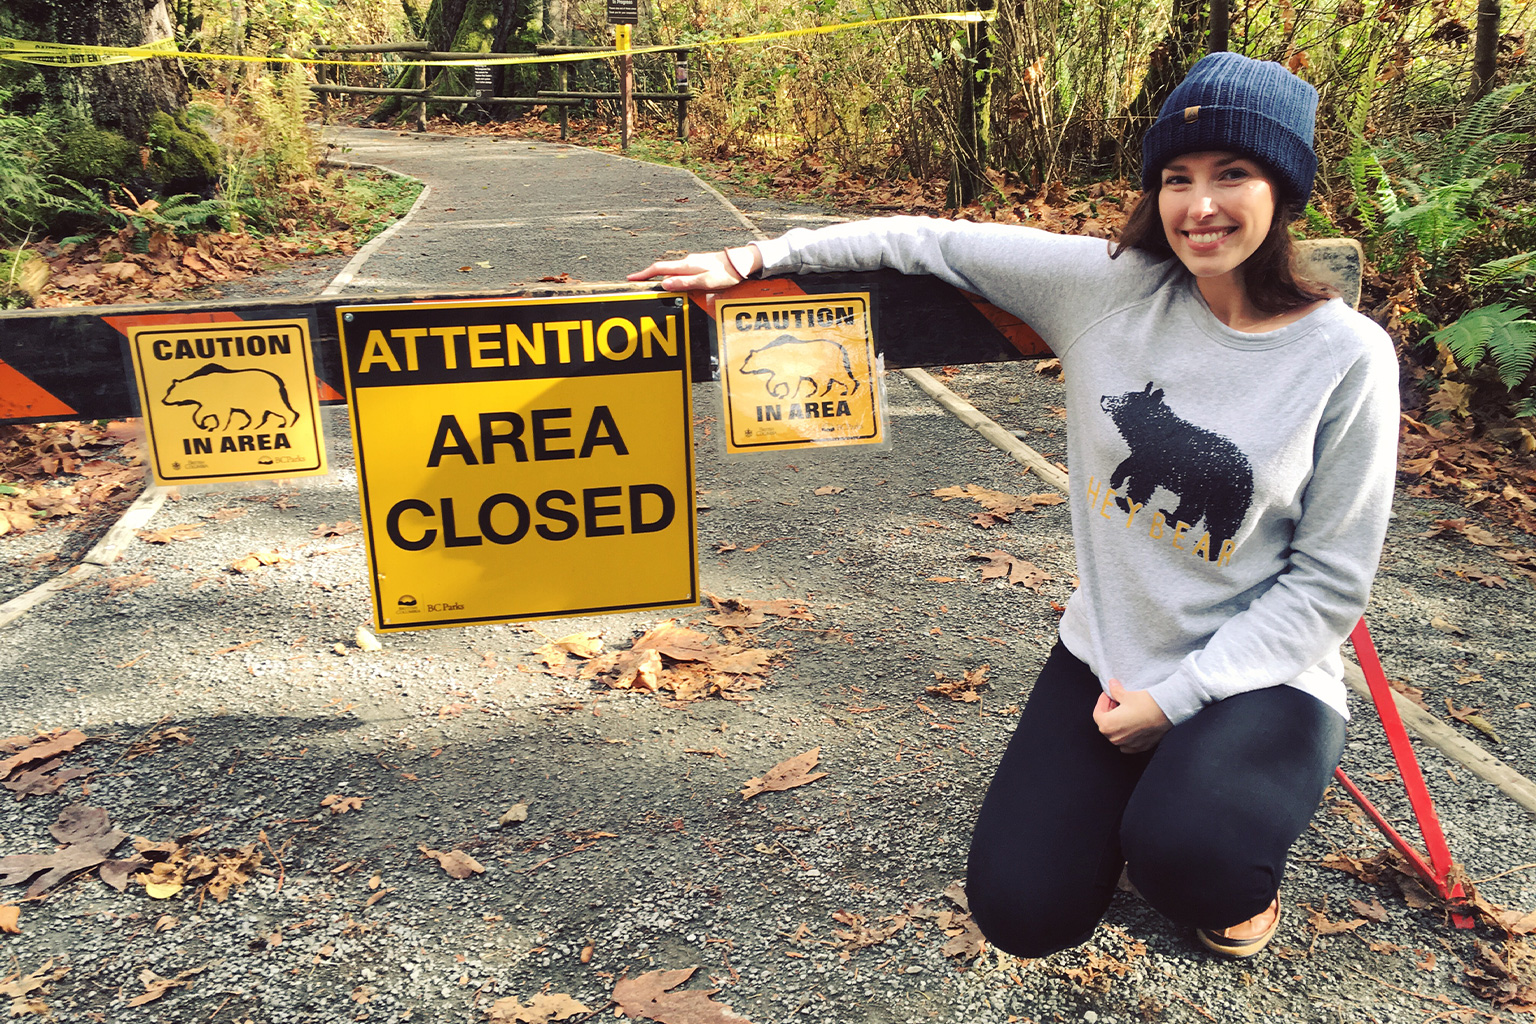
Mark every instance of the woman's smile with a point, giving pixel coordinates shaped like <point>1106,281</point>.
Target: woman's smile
<point>1216,209</point>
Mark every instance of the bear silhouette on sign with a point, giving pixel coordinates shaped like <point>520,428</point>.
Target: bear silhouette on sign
<point>1210,474</point>
<point>219,394</point>
<point>788,363</point>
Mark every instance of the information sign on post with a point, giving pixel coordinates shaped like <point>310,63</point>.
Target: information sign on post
<point>523,459</point>
<point>229,400</point>
<point>623,12</point>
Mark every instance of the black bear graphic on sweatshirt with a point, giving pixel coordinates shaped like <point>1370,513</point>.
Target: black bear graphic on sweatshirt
<point>1210,474</point>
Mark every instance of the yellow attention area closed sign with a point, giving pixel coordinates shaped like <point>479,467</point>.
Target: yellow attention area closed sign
<point>797,372</point>
<point>523,459</point>
<point>229,400</point>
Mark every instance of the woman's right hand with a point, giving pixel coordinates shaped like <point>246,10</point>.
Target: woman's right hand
<point>707,272</point>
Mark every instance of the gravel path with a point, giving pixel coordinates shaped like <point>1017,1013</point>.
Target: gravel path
<point>637,845</point>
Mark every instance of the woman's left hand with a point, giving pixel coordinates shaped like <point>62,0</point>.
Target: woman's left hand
<point>1130,719</point>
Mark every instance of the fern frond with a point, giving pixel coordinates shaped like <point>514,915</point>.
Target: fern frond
<point>1507,272</point>
<point>1467,337</point>
<point>1503,331</point>
<point>1513,348</point>
<point>1468,150</point>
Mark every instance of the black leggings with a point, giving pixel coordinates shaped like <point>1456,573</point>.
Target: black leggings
<point>1203,821</point>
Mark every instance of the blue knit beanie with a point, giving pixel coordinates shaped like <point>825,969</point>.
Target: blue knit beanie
<point>1231,102</point>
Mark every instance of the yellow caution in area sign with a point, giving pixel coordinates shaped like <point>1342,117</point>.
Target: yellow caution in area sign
<point>797,372</point>
<point>523,459</point>
<point>228,400</point>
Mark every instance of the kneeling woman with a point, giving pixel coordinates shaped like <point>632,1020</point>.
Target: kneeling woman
<point>1232,435</point>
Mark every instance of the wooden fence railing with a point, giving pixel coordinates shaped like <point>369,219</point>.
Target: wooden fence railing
<point>563,97</point>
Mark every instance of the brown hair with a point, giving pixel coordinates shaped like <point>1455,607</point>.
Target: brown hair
<point>1269,274</point>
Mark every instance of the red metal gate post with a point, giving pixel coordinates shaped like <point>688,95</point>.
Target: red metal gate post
<point>1436,871</point>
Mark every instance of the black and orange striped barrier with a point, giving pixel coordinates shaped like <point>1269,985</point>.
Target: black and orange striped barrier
<point>73,363</point>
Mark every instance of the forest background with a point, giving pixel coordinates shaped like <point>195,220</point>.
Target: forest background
<point>138,180</point>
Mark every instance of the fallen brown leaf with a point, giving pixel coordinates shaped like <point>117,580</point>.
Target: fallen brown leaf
<point>541,1009</point>
<point>1320,923</point>
<point>456,863</point>
<point>342,804</point>
<point>43,749</point>
<point>649,997</point>
<point>789,774</point>
<point>10,919</point>
<point>155,986</point>
<point>185,531</point>
<point>1018,571</point>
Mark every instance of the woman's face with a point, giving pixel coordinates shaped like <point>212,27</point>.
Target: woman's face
<point>1216,209</point>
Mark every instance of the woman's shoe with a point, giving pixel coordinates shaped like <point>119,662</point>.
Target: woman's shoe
<point>1245,939</point>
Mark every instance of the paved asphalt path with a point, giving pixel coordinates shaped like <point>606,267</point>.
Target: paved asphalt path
<point>818,904</point>
<point>530,210</point>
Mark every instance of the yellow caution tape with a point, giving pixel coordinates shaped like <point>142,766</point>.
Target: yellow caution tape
<point>65,55</point>
<point>27,51</point>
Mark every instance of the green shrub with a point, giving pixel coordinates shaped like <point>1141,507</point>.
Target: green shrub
<point>26,144</point>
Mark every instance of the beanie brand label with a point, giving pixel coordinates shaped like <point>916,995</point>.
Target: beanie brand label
<point>1191,113</point>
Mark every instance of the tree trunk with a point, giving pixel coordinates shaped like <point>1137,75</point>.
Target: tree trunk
<point>968,172</point>
<point>1485,52</point>
<point>1220,25</point>
<point>1169,61</point>
<point>463,26</point>
<point>124,97</point>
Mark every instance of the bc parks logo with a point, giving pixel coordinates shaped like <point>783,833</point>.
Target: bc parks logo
<point>407,604</point>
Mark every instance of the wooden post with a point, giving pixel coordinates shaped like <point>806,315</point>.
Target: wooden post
<point>680,85</point>
<point>322,77</point>
<point>621,42</point>
<point>565,86</point>
<point>421,105</point>
<point>1485,53</point>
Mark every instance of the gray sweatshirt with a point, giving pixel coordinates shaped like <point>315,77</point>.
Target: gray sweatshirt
<point>1230,491</point>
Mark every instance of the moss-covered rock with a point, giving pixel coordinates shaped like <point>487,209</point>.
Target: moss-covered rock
<point>22,277</point>
<point>182,156</point>
<point>89,155</point>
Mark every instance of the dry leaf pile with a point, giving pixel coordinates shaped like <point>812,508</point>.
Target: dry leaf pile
<point>1522,561</point>
<point>965,938</point>
<point>171,534</point>
<point>53,470</point>
<point>541,1009</point>
<point>257,560</point>
<point>1493,472</point>
<point>112,270</point>
<point>857,933</point>
<point>176,864</point>
<point>794,772</point>
<point>1506,978</point>
<point>966,689</point>
<point>668,660</point>
<point>35,764</point>
<point>156,986</point>
<point>25,990</point>
<point>650,997</point>
<point>151,743</point>
<point>342,804</point>
<point>996,505</point>
<point>745,613</point>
